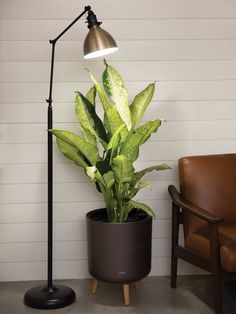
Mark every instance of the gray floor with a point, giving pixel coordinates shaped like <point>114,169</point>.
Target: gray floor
<point>193,295</point>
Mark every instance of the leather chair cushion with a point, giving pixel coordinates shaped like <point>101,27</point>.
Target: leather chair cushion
<point>200,244</point>
<point>210,183</point>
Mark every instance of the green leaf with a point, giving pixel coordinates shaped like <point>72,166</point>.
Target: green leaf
<point>105,102</point>
<point>122,168</point>
<point>109,179</point>
<point>114,142</point>
<point>133,190</point>
<point>91,172</point>
<point>111,117</point>
<point>138,137</point>
<point>144,207</point>
<point>71,152</point>
<point>113,121</point>
<point>106,180</point>
<point>89,151</point>
<point>104,184</point>
<point>89,137</point>
<point>143,184</point>
<point>127,209</point>
<point>140,103</point>
<point>138,175</point>
<point>103,166</point>
<point>91,95</point>
<point>115,89</point>
<point>88,118</point>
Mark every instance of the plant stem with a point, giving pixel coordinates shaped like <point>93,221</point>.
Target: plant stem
<point>119,201</point>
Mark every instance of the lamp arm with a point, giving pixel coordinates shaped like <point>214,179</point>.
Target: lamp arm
<point>86,9</point>
<point>53,42</point>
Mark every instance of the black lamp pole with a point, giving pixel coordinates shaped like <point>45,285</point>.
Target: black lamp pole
<point>98,42</point>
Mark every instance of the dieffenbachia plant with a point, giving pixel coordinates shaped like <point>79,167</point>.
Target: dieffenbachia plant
<point>120,137</point>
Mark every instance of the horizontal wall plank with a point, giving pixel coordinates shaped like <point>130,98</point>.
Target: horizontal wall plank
<point>29,252</point>
<point>152,9</point>
<point>37,232</point>
<point>22,213</point>
<point>62,251</point>
<point>161,229</point>
<point>66,172</point>
<point>183,130</point>
<point>130,71</point>
<point>36,193</point>
<point>196,130</point>
<point>208,110</point>
<point>191,110</point>
<point>64,231</point>
<point>70,211</point>
<point>168,91</point>
<point>150,151</point>
<point>68,192</point>
<point>174,150</point>
<point>161,248</point>
<point>134,50</point>
<point>38,270</point>
<point>161,267</point>
<point>133,29</point>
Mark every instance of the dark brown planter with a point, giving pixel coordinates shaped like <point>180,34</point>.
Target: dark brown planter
<point>119,252</point>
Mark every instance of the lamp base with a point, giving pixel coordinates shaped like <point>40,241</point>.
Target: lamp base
<point>44,297</point>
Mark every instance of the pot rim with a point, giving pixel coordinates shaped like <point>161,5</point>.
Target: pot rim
<point>90,213</point>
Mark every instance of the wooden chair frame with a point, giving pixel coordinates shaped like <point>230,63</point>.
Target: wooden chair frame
<point>211,265</point>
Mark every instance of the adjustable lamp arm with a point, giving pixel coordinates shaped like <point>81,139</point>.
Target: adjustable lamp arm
<point>86,9</point>
<point>53,42</point>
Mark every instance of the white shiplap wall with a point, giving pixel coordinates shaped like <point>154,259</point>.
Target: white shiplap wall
<point>188,46</point>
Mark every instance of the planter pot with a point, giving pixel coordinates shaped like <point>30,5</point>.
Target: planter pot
<point>119,252</point>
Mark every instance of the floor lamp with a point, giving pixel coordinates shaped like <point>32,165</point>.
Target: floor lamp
<point>97,43</point>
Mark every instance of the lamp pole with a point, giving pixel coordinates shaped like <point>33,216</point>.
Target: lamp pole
<point>99,43</point>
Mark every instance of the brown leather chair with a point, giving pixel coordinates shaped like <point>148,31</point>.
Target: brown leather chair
<point>206,206</point>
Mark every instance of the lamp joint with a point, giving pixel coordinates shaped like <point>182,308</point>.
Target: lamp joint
<point>52,41</point>
<point>87,8</point>
<point>92,19</point>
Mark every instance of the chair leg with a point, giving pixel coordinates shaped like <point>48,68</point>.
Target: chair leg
<point>215,256</point>
<point>174,262</point>
<point>217,293</point>
<point>174,243</point>
<point>126,294</point>
<point>94,285</point>
<point>137,284</point>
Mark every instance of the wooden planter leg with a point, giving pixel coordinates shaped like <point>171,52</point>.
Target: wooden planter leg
<point>137,284</point>
<point>94,285</point>
<point>126,294</point>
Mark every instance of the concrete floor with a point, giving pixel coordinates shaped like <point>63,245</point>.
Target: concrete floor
<point>193,295</point>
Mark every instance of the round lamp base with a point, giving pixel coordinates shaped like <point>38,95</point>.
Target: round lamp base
<point>44,297</point>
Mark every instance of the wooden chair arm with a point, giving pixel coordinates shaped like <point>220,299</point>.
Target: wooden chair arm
<point>192,209</point>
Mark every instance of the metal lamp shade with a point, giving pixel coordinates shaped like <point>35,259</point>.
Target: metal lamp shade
<point>98,42</point>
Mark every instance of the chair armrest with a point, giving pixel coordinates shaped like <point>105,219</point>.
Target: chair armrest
<point>192,209</point>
